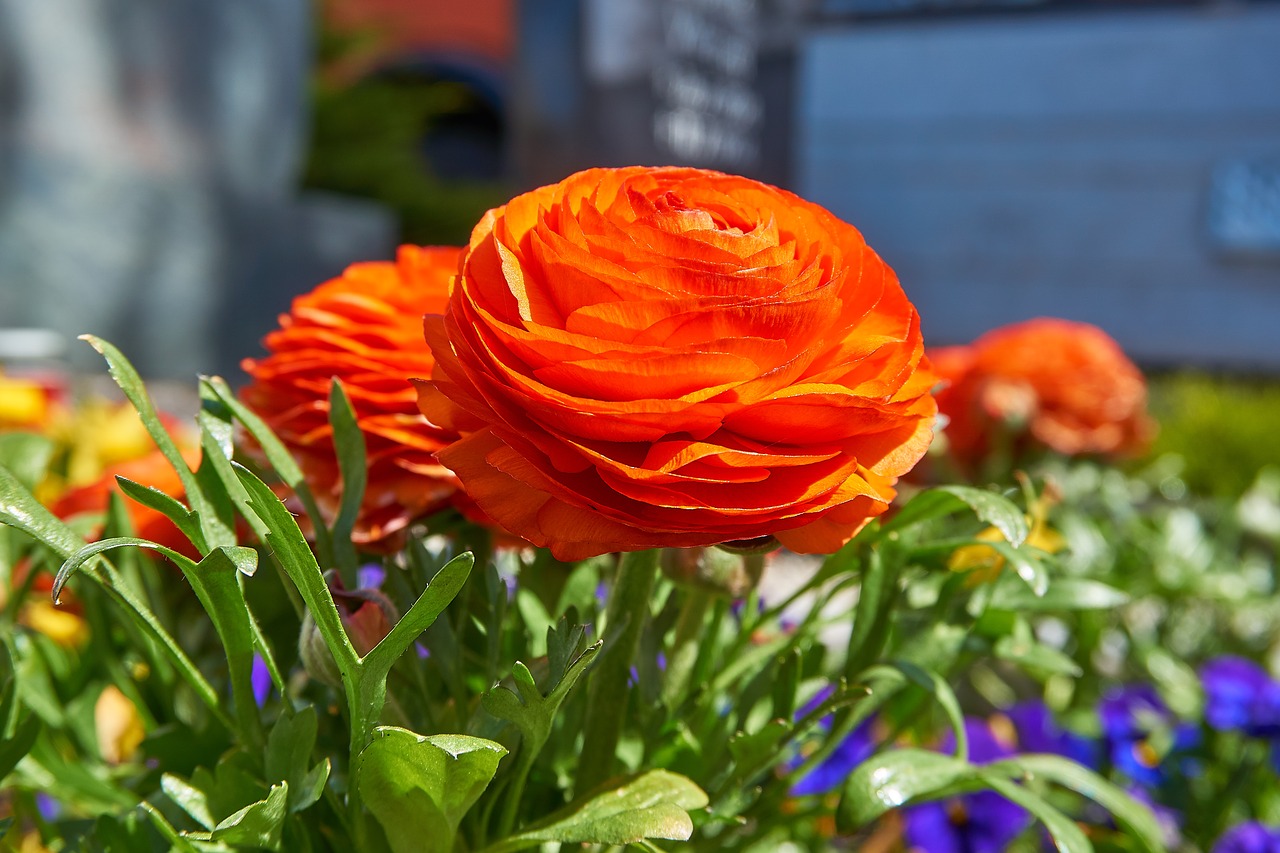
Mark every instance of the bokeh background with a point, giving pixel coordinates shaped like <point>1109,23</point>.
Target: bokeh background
<point>172,173</point>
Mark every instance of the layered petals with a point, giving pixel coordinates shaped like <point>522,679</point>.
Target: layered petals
<point>642,358</point>
<point>365,329</point>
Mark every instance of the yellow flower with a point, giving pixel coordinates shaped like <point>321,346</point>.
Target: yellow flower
<point>65,628</point>
<point>100,434</point>
<point>985,563</point>
<point>118,724</point>
<point>31,843</point>
<point>23,404</point>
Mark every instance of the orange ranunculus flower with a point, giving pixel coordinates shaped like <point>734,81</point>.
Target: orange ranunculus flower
<point>649,357</point>
<point>1066,386</point>
<point>365,328</point>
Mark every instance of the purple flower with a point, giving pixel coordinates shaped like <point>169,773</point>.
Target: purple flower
<point>49,808</point>
<point>829,773</point>
<point>1240,696</point>
<point>260,680</point>
<point>370,576</point>
<point>1249,838</point>
<point>1038,732</point>
<point>982,822</point>
<point>1130,716</point>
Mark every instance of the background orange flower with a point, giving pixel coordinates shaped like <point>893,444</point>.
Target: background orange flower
<point>1066,386</point>
<point>152,469</point>
<point>674,357</point>
<point>365,328</point>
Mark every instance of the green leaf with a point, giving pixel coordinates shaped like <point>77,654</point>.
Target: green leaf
<point>1062,594</point>
<point>258,824</point>
<point>15,746</point>
<point>214,581</point>
<point>937,687</point>
<point>420,787</point>
<point>895,778</point>
<point>1133,815</point>
<point>349,445</point>
<point>873,615</point>
<point>192,800</point>
<point>162,825</point>
<point>1067,835</point>
<point>18,509</point>
<point>1028,652</point>
<point>1024,565</point>
<point>759,748</point>
<point>212,531</point>
<point>279,458</point>
<point>655,804</point>
<point>994,509</point>
<point>285,540</point>
<point>439,593</point>
<point>289,748</point>
<point>26,455</point>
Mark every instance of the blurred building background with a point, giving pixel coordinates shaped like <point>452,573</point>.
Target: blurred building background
<point>172,173</point>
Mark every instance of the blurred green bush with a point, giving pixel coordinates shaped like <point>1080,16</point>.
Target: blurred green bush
<point>368,140</point>
<point>1225,428</point>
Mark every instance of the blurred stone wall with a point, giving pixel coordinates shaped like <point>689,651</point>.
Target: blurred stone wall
<point>149,159</point>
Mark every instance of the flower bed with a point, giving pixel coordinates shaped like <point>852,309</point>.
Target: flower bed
<point>664,526</point>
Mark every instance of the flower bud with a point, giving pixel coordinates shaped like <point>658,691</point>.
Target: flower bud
<point>366,614</point>
<point>729,574</point>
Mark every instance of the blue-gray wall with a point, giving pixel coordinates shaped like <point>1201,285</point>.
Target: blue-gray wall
<point>1056,164</point>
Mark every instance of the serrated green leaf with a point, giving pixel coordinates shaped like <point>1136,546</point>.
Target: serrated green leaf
<point>996,510</point>
<point>280,460</point>
<point>419,788</point>
<point>1133,815</point>
<point>257,824</point>
<point>285,540</point>
<point>895,778</point>
<point>212,531</point>
<point>651,805</point>
<point>310,787</point>
<point>170,508</point>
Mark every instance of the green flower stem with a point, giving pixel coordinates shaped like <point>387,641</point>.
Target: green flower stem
<point>685,646</point>
<point>607,694</point>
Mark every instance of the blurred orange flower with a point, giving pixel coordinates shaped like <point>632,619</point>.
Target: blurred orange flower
<point>649,357</point>
<point>365,328</point>
<point>151,469</point>
<point>1063,385</point>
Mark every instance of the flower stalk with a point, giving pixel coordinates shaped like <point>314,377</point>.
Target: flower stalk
<point>627,611</point>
